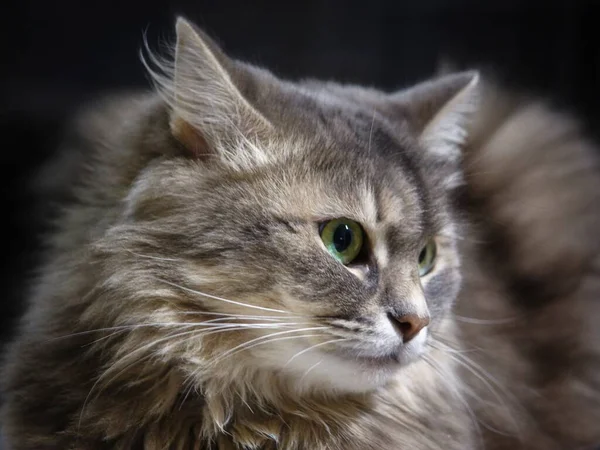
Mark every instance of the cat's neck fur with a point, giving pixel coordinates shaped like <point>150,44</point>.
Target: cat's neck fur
<point>260,409</point>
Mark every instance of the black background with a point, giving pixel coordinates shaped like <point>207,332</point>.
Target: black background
<point>57,54</point>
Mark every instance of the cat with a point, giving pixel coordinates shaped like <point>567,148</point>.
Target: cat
<point>249,263</point>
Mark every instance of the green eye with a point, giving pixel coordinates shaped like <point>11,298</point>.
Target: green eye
<point>427,258</point>
<point>343,238</point>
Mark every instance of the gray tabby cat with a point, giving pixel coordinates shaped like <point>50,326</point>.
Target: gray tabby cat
<point>249,263</point>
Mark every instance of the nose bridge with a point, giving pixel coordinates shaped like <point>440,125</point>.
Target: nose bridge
<point>410,301</point>
<point>407,311</point>
<point>403,293</point>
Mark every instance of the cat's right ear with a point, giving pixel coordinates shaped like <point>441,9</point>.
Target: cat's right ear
<point>209,115</point>
<point>439,112</point>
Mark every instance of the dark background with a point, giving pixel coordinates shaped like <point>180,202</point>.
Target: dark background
<point>55,55</point>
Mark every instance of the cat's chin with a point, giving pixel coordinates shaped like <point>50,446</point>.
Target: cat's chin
<point>341,374</point>
<point>349,371</point>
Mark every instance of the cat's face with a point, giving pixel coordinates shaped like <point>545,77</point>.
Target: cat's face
<point>267,241</point>
<point>312,239</point>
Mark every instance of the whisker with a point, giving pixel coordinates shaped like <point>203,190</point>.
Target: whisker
<point>309,369</point>
<point>210,313</point>
<point>432,344</point>
<point>214,297</point>
<point>122,328</point>
<point>246,317</point>
<point>450,343</point>
<point>139,255</point>
<point>487,379</point>
<point>98,330</point>
<point>269,342</point>
<point>485,424</point>
<point>95,341</point>
<point>244,346</point>
<point>190,377</point>
<point>311,348</point>
<point>187,391</point>
<point>444,379</point>
<point>473,364</point>
<point>476,321</point>
<point>207,323</point>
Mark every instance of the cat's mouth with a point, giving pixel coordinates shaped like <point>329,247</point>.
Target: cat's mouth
<point>395,356</point>
<point>388,360</point>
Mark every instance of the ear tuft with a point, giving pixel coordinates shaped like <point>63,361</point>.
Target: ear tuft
<point>439,111</point>
<point>447,130</point>
<point>208,113</point>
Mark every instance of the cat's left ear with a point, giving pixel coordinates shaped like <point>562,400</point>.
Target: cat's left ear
<point>439,112</point>
<point>208,112</point>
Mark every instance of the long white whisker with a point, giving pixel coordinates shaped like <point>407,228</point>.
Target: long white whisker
<point>311,348</point>
<point>487,379</point>
<point>269,341</point>
<point>474,365</point>
<point>476,321</point>
<point>156,258</point>
<point>214,297</point>
<point>481,421</point>
<point>260,338</point>
<point>450,350</point>
<point>241,316</point>
<point>275,321</point>
<point>309,369</point>
<point>207,323</point>
<point>188,390</point>
<point>443,378</point>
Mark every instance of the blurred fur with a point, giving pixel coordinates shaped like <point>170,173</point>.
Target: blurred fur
<point>187,301</point>
<point>532,276</point>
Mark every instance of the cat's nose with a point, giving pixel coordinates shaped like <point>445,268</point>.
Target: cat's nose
<point>408,325</point>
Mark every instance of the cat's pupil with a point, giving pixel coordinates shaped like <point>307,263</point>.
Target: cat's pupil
<point>422,255</point>
<point>342,237</point>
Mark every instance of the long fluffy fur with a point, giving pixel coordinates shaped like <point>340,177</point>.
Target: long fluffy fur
<point>532,281</point>
<point>104,360</point>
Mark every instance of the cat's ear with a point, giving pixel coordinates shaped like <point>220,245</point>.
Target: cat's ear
<point>439,111</point>
<point>208,113</point>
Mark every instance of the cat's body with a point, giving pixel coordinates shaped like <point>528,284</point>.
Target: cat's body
<point>153,220</point>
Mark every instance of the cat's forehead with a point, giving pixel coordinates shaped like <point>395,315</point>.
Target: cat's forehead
<point>335,110</point>
<point>325,182</point>
<point>355,145</point>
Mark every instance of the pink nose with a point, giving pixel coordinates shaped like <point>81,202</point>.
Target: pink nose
<point>408,325</point>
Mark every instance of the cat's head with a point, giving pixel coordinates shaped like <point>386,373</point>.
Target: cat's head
<point>298,228</point>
